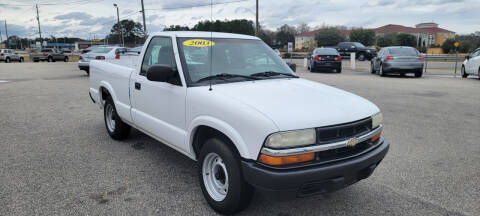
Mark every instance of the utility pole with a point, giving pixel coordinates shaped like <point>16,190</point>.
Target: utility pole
<point>119,25</point>
<point>144,24</point>
<point>256,22</point>
<point>6,34</point>
<point>38,20</point>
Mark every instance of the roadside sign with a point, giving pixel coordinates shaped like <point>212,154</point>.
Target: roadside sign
<point>456,44</point>
<point>290,47</point>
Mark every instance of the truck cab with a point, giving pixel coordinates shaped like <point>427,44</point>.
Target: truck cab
<point>229,102</point>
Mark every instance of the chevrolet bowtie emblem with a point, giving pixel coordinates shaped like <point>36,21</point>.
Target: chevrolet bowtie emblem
<point>352,142</point>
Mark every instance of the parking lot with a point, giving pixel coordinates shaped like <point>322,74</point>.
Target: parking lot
<point>57,159</point>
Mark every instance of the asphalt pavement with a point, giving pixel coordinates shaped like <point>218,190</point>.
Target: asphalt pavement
<point>57,159</point>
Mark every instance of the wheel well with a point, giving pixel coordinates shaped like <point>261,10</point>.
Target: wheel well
<point>105,93</point>
<point>203,133</point>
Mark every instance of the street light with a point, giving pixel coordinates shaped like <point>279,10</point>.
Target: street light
<point>120,25</point>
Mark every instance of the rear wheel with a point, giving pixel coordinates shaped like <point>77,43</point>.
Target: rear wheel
<point>21,60</point>
<point>116,128</point>
<point>7,60</point>
<point>464,73</point>
<point>50,59</point>
<point>372,69</point>
<point>312,69</point>
<point>221,178</point>
<point>419,73</point>
<point>361,57</point>
<point>382,73</point>
<point>65,59</point>
<point>339,69</point>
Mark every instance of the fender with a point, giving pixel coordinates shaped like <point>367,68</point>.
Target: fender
<point>109,88</point>
<point>221,126</point>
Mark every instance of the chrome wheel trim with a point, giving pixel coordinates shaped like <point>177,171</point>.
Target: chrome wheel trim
<point>110,117</point>
<point>215,176</point>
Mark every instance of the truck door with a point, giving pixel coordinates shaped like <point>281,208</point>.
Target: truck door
<point>158,108</point>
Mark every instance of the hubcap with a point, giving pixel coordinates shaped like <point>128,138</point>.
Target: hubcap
<point>110,117</point>
<point>215,176</point>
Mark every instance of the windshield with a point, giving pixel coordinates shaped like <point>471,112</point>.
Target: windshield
<point>228,56</point>
<point>403,52</point>
<point>326,51</point>
<point>100,50</point>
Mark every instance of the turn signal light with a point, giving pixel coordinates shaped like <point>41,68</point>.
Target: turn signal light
<point>284,160</point>
<point>421,58</point>
<point>389,58</point>
<point>318,58</point>
<point>376,137</point>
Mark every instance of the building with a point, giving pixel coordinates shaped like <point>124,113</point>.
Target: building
<point>425,33</point>
<point>301,39</point>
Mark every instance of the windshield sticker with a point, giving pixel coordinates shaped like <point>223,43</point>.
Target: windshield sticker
<point>198,43</point>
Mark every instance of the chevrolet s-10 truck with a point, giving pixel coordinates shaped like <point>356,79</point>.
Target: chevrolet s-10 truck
<point>231,103</point>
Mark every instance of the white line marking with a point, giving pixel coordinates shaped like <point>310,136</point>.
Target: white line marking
<point>4,81</point>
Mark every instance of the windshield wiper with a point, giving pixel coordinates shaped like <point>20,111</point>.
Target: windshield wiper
<point>224,76</point>
<point>272,73</point>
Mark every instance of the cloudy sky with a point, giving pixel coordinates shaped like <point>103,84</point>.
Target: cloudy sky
<point>89,18</point>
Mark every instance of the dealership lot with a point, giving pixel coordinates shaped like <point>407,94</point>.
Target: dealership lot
<point>57,159</point>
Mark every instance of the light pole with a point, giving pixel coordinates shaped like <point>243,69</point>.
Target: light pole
<point>120,25</point>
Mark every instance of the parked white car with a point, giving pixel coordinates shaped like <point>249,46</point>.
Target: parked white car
<point>231,103</point>
<point>99,53</point>
<point>471,65</point>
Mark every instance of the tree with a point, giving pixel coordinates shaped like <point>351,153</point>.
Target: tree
<point>364,36</point>
<point>447,46</point>
<point>310,45</point>
<point>238,26</point>
<point>303,28</point>
<point>267,36</point>
<point>389,39</point>
<point>329,37</point>
<point>406,40</point>
<point>286,34</point>
<point>177,28</point>
<point>132,32</point>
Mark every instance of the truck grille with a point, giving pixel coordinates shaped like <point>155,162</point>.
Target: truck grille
<point>343,131</point>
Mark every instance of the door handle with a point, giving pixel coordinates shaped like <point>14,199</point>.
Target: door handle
<point>138,86</point>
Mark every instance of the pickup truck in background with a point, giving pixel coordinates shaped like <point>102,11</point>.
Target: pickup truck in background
<point>362,52</point>
<point>50,55</point>
<point>232,104</point>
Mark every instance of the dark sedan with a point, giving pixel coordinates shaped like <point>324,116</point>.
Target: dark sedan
<point>325,58</point>
<point>398,60</point>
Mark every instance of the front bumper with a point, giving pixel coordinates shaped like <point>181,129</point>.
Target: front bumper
<point>83,65</point>
<point>305,181</point>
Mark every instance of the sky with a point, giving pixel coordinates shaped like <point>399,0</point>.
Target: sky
<point>94,18</point>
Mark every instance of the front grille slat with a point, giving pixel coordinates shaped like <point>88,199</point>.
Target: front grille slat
<point>344,131</point>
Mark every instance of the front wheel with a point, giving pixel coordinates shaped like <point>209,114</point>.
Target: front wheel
<point>50,59</point>
<point>116,128</point>
<point>464,73</point>
<point>65,59</point>
<point>7,60</point>
<point>361,57</point>
<point>221,178</point>
<point>21,60</point>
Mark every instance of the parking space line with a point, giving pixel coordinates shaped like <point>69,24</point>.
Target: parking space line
<point>4,81</point>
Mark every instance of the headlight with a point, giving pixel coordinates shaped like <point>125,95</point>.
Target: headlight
<point>377,120</point>
<point>291,138</point>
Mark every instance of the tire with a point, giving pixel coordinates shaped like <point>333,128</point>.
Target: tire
<point>21,60</point>
<point>419,74</point>
<point>226,191</point>
<point>382,73</point>
<point>88,72</point>
<point>372,69</point>
<point>464,73</point>
<point>312,69</point>
<point>116,128</point>
<point>50,59</point>
<point>478,73</point>
<point>339,70</point>
<point>361,57</point>
<point>7,60</point>
<point>65,59</point>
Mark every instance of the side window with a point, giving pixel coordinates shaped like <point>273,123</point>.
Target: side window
<point>159,51</point>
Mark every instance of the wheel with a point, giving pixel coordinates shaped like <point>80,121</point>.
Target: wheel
<point>382,73</point>
<point>372,69</point>
<point>478,73</point>
<point>419,73</point>
<point>21,60</point>
<point>339,69</point>
<point>65,59</point>
<point>361,57</point>
<point>312,69</point>
<point>35,60</point>
<point>464,73</point>
<point>50,59</point>
<point>116,128</point>
<point>221,178</point>
<point>7,60</point>
<point>88,72</point>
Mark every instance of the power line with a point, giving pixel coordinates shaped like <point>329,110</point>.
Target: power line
<point>200,5</point>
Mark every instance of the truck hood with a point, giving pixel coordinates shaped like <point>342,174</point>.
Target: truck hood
<point>299,103</point>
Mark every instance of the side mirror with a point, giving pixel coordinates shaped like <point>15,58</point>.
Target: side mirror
<point>160,73</point>
<point>292,66</point>
<point>353,47</point>
<point>467,57</point>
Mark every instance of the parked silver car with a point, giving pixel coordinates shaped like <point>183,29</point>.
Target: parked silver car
<point>48,54</point>
<point>8,55</point>
<point>398,60</point>
<point>99,53</point>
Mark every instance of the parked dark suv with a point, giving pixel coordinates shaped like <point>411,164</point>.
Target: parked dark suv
<point>362,52</point>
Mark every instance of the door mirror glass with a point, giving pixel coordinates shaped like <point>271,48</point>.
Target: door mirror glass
<point>160,73</point>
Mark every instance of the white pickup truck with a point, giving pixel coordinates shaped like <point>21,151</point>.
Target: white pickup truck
<point>230,103</point>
